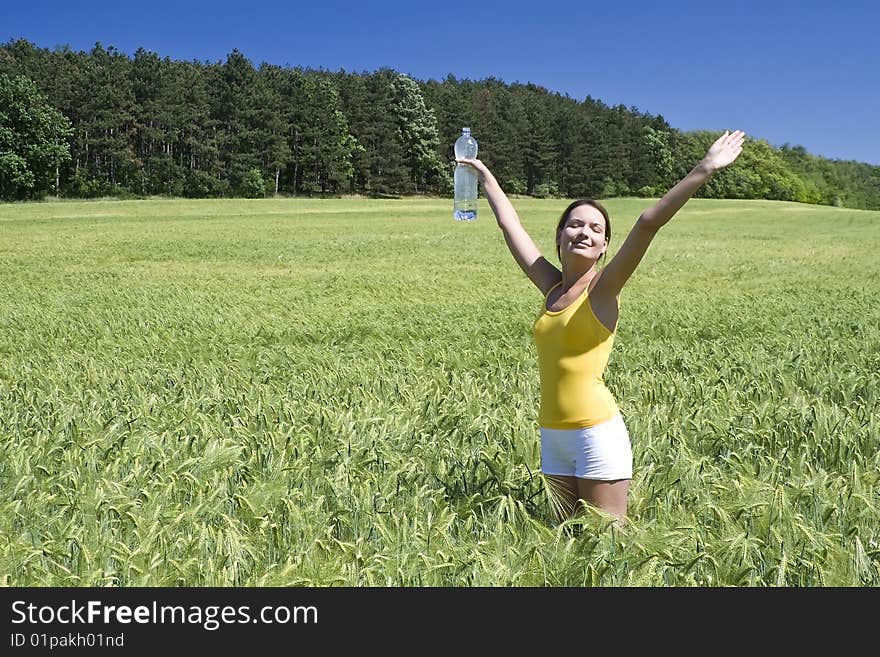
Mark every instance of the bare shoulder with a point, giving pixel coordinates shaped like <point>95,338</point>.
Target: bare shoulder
<point>604,303</point>
<point>545,276</point>
<point>594,286</point>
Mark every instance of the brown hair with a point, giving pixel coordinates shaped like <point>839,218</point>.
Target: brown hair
<point>577,204</point>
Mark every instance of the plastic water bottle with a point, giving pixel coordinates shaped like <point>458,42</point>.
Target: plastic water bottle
<point>465,205</point>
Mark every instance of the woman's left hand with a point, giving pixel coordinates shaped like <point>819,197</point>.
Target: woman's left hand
<point>725,150</point>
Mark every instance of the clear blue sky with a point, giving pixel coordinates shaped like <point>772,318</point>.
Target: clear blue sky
<point>804,72</point>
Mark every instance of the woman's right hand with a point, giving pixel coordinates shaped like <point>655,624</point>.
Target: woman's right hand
<point>481,169</point>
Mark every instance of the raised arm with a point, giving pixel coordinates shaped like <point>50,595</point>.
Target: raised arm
<point>617,272</point>
<point>538,269</point>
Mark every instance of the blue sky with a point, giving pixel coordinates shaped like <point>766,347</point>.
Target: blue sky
<point>804,72</point>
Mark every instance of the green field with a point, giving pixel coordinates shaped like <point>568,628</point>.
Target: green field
<point>345,392</point>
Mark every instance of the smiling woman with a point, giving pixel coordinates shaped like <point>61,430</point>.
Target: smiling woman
<point>586,453</point>
<point>598,225</point>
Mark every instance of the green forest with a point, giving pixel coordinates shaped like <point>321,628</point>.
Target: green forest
<point>103,123</point>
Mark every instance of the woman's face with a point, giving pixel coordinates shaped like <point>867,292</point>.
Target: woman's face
<point>583,234</point>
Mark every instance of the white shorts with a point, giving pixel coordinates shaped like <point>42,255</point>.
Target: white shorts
<point>601,452</point>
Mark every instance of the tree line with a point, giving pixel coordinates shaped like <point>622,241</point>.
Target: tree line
<point>102,123</point>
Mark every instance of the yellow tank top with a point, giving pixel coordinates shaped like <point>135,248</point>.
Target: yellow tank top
<point>573,349</point>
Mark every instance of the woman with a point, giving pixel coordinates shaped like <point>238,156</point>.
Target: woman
<point>585,448</point>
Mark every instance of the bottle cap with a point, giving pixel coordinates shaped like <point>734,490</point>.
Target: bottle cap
<point>465,129</point>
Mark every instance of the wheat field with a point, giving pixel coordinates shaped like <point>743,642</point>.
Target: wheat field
<point>295,392</point>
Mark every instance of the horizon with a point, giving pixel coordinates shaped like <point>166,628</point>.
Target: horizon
<point>799,77</point>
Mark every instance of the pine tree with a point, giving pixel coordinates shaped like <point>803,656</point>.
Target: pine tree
<point>417,131</point>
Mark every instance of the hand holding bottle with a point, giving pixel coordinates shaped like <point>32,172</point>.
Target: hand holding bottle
<point>481,169</point>
<point>465,179</point>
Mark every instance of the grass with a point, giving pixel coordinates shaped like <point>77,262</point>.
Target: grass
<point>344,392</point>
